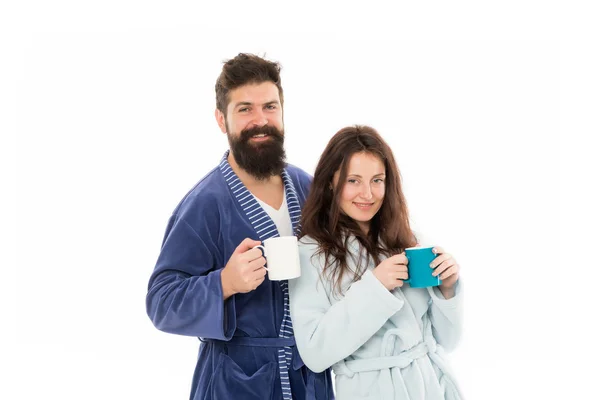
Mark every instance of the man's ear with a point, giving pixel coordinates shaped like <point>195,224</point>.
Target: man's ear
<point>220,117</point>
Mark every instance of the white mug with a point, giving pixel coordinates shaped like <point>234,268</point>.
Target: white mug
<point>283,259</point>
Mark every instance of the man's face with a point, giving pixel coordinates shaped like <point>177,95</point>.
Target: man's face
<point>254,128</point>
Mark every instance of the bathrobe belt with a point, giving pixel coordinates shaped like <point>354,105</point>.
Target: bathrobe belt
<point>385,364</point>
<point>402,360</point>
<point>256,341</point>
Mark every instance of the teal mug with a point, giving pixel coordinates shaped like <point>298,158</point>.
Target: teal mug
<point>419,271</point>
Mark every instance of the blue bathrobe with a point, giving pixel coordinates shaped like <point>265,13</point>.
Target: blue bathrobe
<point>247,350</point>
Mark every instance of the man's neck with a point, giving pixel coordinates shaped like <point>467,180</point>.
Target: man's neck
<point>250,180</point>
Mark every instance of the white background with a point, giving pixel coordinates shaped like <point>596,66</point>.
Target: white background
<point>110,105</point>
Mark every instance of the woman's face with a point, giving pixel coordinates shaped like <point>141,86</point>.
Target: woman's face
<point>363,189</point>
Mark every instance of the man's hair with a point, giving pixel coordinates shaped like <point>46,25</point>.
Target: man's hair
<point>245,69</point>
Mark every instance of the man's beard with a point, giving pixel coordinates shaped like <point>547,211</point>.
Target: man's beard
<point>261,159</point>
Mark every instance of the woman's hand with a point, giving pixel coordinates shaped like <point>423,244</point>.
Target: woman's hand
<point>392,271</point>
<point>446,267</point>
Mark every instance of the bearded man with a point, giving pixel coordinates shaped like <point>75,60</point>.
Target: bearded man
<point>209,280</point>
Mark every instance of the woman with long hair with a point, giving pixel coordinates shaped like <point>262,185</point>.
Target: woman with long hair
<point>351,307</point>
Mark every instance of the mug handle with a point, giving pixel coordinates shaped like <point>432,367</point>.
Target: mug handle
<point>264,252</point>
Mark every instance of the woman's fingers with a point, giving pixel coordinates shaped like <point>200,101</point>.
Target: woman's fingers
<point>443,266</point>
<point>453,270</point>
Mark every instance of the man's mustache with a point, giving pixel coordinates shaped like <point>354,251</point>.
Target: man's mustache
<point>268,130</point>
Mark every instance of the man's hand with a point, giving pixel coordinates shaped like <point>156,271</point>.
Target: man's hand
<point>244,270</point>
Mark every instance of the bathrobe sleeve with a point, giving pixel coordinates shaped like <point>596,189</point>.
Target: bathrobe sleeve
<point>446,316</point>
<point>185,295</point>
<point>329,332</point>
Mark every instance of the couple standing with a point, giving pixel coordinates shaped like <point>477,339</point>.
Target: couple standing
<point>350,310</point>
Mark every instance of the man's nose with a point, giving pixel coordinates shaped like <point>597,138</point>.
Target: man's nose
<point>259,118</point>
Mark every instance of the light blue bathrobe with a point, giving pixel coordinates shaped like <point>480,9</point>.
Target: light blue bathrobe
<point>382,345</point>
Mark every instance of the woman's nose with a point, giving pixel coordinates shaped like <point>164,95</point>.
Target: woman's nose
<point>366,192</point>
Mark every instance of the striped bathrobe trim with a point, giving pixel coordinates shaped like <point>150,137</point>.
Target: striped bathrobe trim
<point>265,228</point>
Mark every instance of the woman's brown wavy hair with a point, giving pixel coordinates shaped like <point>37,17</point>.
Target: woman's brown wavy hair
<point>323,220</point>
